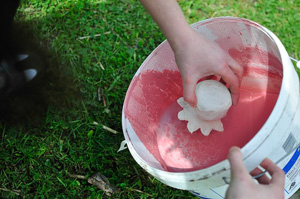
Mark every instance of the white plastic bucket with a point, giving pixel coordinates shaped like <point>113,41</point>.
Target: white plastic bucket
<point>150,99</point>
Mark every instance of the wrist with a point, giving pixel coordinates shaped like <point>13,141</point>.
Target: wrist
<point>182,39</point>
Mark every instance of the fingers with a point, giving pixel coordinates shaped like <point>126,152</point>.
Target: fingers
<point>264,179</point>
<point>189,95</point>
<point>232,80</point>
<point>236,68</point>
<point>238,72</point>
<point>238,169</point>
<point>231,73</point>
<point>278,176</point>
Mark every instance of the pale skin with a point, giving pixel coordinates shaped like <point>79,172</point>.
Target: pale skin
<point>242,186</point>
<point>196,56</point>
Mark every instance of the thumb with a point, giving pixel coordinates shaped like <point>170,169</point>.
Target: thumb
<point>238,169</point>
<point>189,95</point>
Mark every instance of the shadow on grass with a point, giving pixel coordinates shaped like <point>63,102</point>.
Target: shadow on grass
<point>54,85</point>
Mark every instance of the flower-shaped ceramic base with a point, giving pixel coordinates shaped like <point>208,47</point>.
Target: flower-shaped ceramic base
<point>213,102</point>
<point>195,122</point>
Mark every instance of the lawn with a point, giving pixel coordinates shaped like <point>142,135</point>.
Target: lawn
<point>53,129</point>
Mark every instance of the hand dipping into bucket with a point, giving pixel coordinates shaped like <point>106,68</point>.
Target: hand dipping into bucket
<point>213,102</point>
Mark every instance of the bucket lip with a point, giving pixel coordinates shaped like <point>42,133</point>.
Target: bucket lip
<point>223,165</point>
<point>214,19</point>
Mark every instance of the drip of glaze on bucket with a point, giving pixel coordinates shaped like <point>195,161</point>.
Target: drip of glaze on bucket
<point>168,139</point>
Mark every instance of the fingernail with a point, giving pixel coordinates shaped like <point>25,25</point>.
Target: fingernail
<point>193,105</point>
<point>235,99</point>
<point>234,103</point>
<point>234,148</point>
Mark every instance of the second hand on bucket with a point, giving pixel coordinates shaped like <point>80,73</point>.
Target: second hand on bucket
<point>264,172</point>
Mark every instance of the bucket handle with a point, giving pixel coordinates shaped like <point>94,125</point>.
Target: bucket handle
<point>297,62</point>
<point>277,162</point>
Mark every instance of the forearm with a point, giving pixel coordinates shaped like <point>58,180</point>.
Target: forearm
<point>169,17</point>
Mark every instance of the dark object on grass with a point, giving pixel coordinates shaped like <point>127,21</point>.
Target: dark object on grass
<point>17,69</point>
<point>17,72</point>
<point>102,183</point>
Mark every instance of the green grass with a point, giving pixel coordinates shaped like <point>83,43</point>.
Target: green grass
<point>48,132</point>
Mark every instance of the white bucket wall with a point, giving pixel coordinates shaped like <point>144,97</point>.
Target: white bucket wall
<point>278,134</point>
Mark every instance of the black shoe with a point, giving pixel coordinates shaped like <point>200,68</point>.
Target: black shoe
<point>16,72</point>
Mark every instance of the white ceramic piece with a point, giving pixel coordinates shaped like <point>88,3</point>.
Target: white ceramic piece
<point>213,102</point>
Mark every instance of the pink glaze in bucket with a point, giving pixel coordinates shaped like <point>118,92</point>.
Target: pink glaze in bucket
<point>161,143</point>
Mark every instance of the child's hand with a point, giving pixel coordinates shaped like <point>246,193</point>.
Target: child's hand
<point>198,57</point>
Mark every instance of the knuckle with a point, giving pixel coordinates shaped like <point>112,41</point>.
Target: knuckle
<point>223,66</point>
